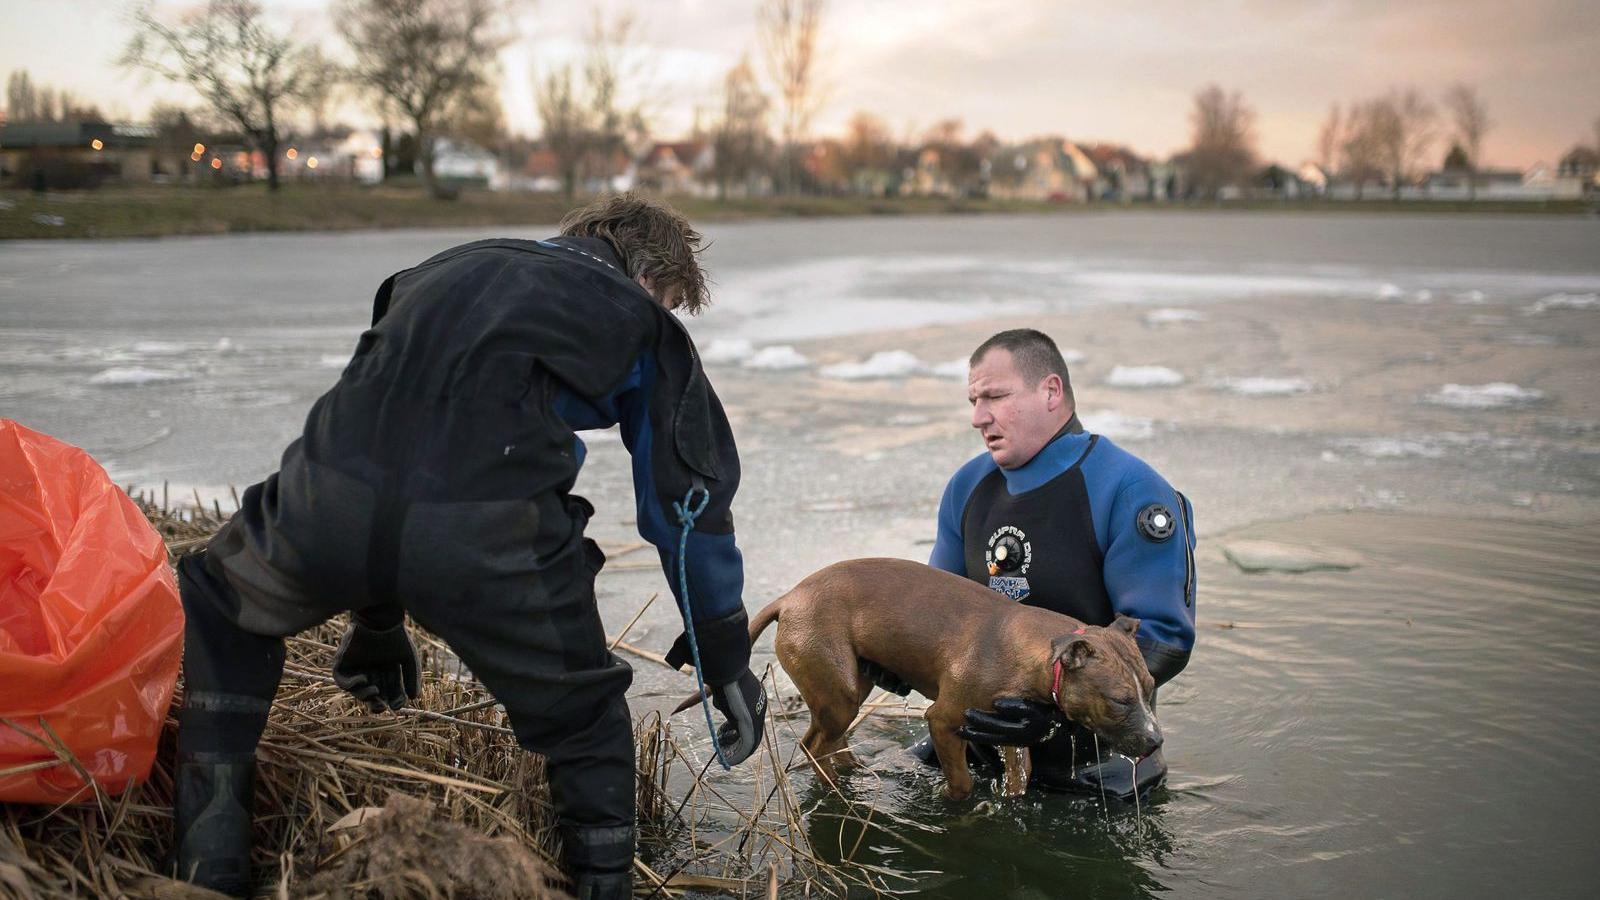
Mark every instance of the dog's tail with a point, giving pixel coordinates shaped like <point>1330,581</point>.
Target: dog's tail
<point>767,616</point>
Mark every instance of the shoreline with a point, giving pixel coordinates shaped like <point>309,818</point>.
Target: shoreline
<point>250,209</point>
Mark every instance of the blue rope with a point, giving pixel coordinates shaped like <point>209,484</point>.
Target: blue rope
<point>686,517</point>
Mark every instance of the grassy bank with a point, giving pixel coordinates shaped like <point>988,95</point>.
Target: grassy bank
<point>162,211</point>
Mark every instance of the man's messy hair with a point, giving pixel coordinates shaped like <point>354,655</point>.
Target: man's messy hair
<point>651,239</point>
<point>1033,353</point>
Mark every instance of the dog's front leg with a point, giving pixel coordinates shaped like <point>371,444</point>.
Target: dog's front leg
<point>952,752</point>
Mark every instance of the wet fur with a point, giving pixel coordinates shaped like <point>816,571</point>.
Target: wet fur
<point>959,644</point>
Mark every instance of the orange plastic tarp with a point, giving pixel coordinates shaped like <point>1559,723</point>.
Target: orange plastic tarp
<point>91,631</point>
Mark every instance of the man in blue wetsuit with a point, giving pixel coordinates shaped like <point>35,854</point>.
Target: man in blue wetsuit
<point>1057,517</point>
<point>435,479</point>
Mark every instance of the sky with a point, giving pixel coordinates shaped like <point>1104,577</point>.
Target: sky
<point>1124,73</point>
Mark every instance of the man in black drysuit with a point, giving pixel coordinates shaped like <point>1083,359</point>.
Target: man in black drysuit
<point>435,479</point>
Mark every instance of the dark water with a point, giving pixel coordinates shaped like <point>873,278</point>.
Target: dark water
<point>1423,726</point>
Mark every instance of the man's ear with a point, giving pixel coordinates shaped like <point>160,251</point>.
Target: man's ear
<point>1073,651</point>
<point>1055,393</point>
<point>1128,625</point>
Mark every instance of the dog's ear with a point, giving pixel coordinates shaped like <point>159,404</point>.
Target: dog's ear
<point>1073,651</point>
<point>1128,625</point>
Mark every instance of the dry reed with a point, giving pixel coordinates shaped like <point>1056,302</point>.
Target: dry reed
<point>464,811</point>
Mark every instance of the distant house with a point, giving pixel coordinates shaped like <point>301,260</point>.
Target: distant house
<point>1045,169</point>
<point>46,155</point>
<point>461,162</point>
<point>678,167</point>
<point>1123,175</point>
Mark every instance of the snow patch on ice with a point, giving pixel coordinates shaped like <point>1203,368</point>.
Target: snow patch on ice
<point>128,376</point>
<point>884,364</point>
<point>1120,426</point>
<point>158,348</point>
<point>1143,377</point>
<point>1263,386</point>
<point>1564,301</point>
<point>1172,316</point>
<point>777,358</point>
<point>1494,395</point>
<point>727,351</point>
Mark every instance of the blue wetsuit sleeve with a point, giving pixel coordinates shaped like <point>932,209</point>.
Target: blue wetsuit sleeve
<point>1154,580</point>
<point>715,567</point>
<point>947,549</point>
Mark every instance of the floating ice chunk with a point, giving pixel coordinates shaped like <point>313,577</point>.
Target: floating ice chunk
<point>1143,377</point>
<point>333,360</point>
<point>1262,386</point>
<point>884,364</point>
<point>123,376</point>
<point>1171,316</point>
<point>1484,396</point>
<point>157,348</point>
<point>1392,447</point>
<point>955,368</point>
<point>727,351</point>
<point>777,358</point>
<point>1119,426</point>
<point>1564,301</point>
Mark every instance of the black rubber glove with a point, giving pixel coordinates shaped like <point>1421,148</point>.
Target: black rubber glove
<point>1015,722</point>
<point>744,703</point>
<point>884,678</point>
<point>377,667</point>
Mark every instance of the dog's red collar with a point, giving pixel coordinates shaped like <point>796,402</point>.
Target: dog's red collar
<point>1055,681</point>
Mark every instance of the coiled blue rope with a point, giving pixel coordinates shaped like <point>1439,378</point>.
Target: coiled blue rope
<point>688,511</point>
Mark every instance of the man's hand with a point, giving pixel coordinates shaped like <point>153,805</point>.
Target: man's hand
<point>744,703</point>
<point>884,678</point>
<point>378,667</point>
<point>1015,722</point>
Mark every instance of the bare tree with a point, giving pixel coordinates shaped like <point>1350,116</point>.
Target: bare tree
<point>1407,128</point>
<point>1222,149</point>
<point>1367,132</point>
<point>1470,117</point>
<point>248,74</point>
<point>1328,140</point>
<point>789,31</point>
<point>588,122</point>
<point>22,100</point>
<point>428,61</point>
<point>739,139</point>
<point>869,147</point>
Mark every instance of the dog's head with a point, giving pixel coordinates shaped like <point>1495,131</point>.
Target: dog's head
<point>1106,687</point>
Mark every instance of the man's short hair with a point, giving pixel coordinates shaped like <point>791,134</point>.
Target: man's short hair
<point>651,239</point>
<point>1033,353</point>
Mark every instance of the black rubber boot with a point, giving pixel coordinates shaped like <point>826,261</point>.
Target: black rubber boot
<point>212,813</point>
<point>601,860</point>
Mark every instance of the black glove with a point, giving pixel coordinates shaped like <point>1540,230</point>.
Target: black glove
<point>378,667</point>
<point>884,678</point>
<point>744,703</point>
<point>1015,722</point>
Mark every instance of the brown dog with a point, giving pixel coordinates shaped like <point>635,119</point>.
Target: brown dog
<point>960,644</point>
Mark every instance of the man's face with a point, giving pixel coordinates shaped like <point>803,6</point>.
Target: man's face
<point>672,296</point>
<point>1016,418</point>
